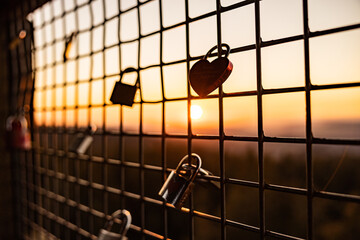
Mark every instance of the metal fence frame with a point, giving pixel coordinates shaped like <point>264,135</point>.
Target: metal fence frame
<point>38,183</point>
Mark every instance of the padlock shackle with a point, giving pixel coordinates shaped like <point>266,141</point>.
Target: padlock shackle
<point>215,47</point>
<point>124,216</point>
<point>129,70</point>
<point>202,171</point>
<point>91,129</point>
<point>196,167</point>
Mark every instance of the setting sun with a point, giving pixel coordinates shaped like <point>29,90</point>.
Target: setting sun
<point>196,112</point>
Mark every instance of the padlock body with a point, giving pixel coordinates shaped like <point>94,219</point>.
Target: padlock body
<point>21,139</point>
<point>205,77</point>
<point>107,235</point>
<point>123,94</point>
<point>80,143</point>
<point>85,144</point>
<point>175,189</point>
<point>19,134</point>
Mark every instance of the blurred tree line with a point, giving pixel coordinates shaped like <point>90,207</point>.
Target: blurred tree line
<point>284,212</point>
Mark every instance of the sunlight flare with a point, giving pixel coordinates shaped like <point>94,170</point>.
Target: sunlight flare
<point>196,112</point>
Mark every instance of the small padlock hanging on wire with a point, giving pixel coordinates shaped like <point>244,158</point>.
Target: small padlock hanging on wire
<point>124,94</point>
<point>125,217</point>
<point>17,131</point>
<point>69,41</point>
<point>82,140</point>
<point>179,183</point>
<point>205,77</point>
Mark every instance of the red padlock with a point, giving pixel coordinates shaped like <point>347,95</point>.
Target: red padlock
<point>18,134</point>
<point>8,133</point>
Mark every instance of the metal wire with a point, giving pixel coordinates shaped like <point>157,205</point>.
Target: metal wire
<point>51,178</point>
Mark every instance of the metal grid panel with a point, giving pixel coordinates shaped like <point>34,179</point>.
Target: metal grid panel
<point>68,196</point>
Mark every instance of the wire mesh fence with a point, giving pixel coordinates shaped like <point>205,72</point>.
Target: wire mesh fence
<point>270,106</point>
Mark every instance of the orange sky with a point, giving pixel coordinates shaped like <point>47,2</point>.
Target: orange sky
<point>334,58</point>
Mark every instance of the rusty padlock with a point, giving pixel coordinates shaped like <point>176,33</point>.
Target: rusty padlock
<point>125,217</point>
<point>123,93</point>
<point>179,183</point>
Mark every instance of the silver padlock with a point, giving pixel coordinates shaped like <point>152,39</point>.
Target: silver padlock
<point>203,172</point>
<point>82,141</point>
<point>179,183</point>
<point>125,217</point>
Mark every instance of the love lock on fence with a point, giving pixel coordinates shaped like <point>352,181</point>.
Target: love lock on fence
<point>82,140</point>
<point>123,93</point>
<point>205,77</point>
<point>18,132</point>
<point>125,217</point>
<point>179,183</point>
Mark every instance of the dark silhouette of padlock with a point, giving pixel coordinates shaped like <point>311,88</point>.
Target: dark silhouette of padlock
<point>179,183</point>
<point>82,140</point>
<point>205,76</point>
<point>125,217</point>
<point>124,94</point>
<point>68,45</point>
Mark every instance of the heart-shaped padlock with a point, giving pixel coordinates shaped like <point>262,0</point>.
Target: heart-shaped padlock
<point>207,76</point>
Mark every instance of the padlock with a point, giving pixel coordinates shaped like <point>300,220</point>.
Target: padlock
<point>205,77</point>
<point>125,217</point>
<point>18,134</point>
<point>203,172</point>
<point>68,46</point>
<point>82,141</point>
<point>179,183</point>
<point>9,133</point>
<point>123,93</point>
